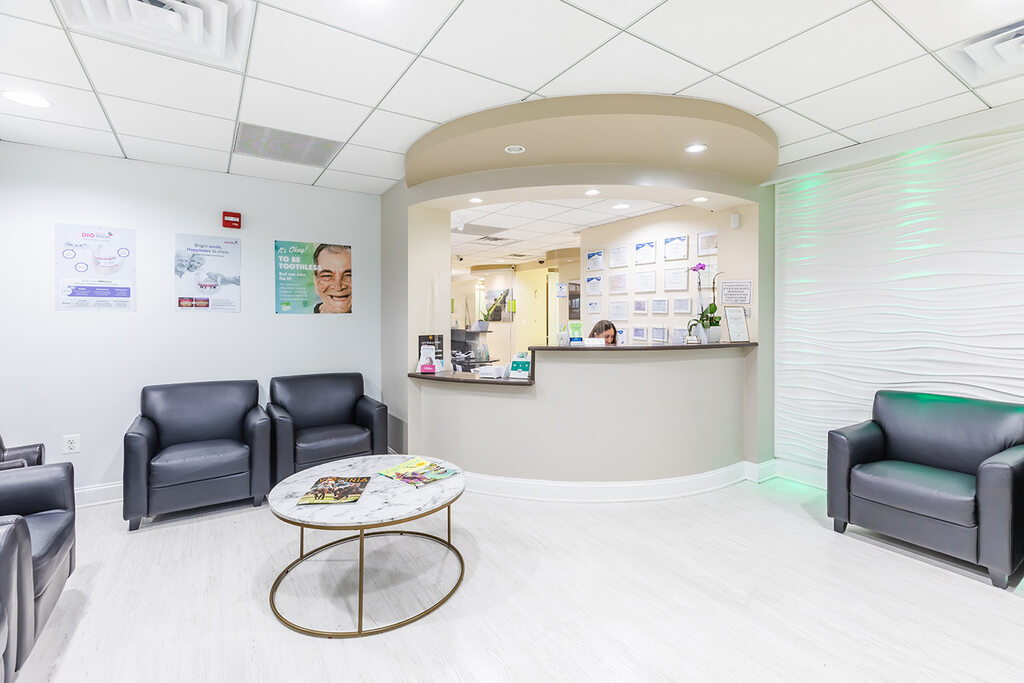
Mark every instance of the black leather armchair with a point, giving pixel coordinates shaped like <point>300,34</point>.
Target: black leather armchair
<point>942,472</point>
<point>318,418</point>
<point>195,444</point>
<point>21,456</point>
<point>37,552</point>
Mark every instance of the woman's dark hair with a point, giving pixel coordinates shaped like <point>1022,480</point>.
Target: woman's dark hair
<point>602,326</point>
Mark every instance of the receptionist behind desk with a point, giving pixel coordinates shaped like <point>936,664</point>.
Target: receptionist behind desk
<point>605,329</point>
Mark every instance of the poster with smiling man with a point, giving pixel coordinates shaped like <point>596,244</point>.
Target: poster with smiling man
<point>313,277</point>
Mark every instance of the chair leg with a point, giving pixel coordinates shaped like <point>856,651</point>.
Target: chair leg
<point>133,524</point>
<point>257,501</point>
<point>839,525</point>
<point>999,579</point>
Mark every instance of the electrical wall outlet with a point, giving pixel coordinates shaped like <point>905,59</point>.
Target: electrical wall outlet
<point>72,443</point>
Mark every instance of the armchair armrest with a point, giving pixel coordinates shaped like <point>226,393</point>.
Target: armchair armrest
<point>33,454</point>
<point>1001,510</point>
<point>29,490</point>
<point>141,443</point>
<point>284,441</point>
<point>373,415</point>
<point>257,435</point>
<point>16,590</point>
<point>12,464</point>
<point>847,447</point>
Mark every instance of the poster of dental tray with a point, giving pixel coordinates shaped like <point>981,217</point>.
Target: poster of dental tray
<point>207,273</point>
<point>95,268</point>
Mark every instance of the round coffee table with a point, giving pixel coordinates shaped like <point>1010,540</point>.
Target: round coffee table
<point>385,502</point>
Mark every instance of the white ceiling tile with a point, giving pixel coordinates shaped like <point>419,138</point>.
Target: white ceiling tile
<point>498,220</point>
<point>47,134</point>
<point>460,237</point>
<point>616,11</point>
<point>36,10</point>
<point>790,127</point>
<point>548,227</point>
<point>571,203</point>
<point>716,35</point>
<point>161,152</point>
<point>466,215</point>
<point>626,64</point>
<point>390,132</point>
<point>901,87</point>
<point>635,205</point>
<point>809,148</point>
<point>524,43</point>
<point>515,234</point>
<point>70,105</point>
<point>949,108</point>
<point>341,180</point>
<point>171,125</point>
<point>581,217</point>
<point>433,91</point>
<point>148,77</point>
<point>298,111</point>
<point>493,208</point>
<point>1003,92</point>
<point>405,23</point>
<point>271,169</point>
<point>855,44</point>
<point>938,23</point>
<point>720,90</point>
<point>309,55</point>
<point>534,210</point>
<point>368,161</point>
<point>40,52</point>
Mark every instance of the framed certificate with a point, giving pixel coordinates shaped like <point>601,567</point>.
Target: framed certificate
<point>736,319</point>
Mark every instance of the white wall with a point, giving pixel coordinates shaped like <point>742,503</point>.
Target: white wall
<point>903,273</point>
<point>81,372</point>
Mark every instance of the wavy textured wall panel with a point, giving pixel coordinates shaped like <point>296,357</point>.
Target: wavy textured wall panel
<point>903,273</point>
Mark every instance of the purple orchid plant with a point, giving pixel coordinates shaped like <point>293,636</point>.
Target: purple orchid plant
<point>707,316</point>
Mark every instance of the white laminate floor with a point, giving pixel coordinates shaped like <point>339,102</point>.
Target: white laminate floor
<point>745,583</point>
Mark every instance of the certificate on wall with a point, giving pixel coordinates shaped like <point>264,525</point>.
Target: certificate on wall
<point>681,305</point>
<point>639,306</point>
<point>593,308</point>
<point>618,283</point>
<point>678,336</point>
<point>643,281</point>
<point>707,243</point>
<point>736,320</point>
<point>594,287</point>
<point>618,310</point>
<point>639,334</point>
<point>659,306</point>
<point>618,257</point>
<point>595,260</point>
<point>677,248</point>
<point>643,253</point>
<point>677,279</point>
<point>736,291</point>
<point>659,335</point>
<point>95,268</point>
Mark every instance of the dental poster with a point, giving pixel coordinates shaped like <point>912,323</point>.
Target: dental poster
<point>312,277</point>
<point>207,273</point>
<point>95,268</point>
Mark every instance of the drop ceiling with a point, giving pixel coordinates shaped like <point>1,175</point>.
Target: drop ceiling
<point>375,75</point>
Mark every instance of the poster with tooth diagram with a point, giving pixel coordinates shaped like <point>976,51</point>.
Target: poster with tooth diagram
<point>95,268</point>
<point>207,273</point>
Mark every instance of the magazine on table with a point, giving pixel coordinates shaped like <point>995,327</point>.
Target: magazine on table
<point>335,490</point>
<point>417,471</point>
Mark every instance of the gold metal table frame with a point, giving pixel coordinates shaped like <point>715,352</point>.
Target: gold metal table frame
<point>361,537</point>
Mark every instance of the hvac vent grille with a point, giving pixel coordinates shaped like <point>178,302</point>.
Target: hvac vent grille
<point>518,255</point>
<point>493,240</point>
<point>280,145</point>
<point>210,31</point>
<point>990,57</point>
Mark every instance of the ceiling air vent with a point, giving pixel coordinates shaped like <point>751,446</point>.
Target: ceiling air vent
<point>280,145</point>
<point>214,32</point>
<point>990,57</point>
<point>519,256</point>
<point>493,240</point>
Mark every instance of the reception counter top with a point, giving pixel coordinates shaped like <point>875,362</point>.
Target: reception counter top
<point>654,347</point>
<point>470,378</point>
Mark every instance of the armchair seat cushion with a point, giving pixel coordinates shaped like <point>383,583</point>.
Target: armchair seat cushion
<point>333,441</point>
<point>185,463</point>
<point>52,533</point>
<point>941,494</point>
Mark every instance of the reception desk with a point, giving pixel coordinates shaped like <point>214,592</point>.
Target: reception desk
<point>604,423</point>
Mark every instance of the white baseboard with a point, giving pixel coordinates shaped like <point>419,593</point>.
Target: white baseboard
<point>100,494</point>
<point>618,491</point>
<point>812,475</point>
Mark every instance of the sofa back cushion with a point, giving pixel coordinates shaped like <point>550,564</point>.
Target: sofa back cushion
<point>199,411</point>
<point>318,400</point>
<point>948,432</point>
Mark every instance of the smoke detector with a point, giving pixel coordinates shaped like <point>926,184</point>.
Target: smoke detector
<point>214,32</point>
<point>990,57</point>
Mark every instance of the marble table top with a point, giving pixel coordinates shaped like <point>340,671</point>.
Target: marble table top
<point>384,501</point>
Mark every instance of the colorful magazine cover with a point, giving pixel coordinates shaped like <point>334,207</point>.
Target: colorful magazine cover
<point>418,472</point>
<point>335,490</point>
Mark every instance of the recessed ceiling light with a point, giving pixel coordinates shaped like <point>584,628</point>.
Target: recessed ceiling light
<point>29,99</point>
<point>700,199</point>
<point>592,193</point>
<point>620,206</point>
<point>475,200</point>
<point>515,149</point>
<point>696,148</point>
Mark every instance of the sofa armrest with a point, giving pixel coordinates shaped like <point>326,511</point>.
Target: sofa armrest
<point>16,590</point>
<point>29,490</point>
<point>257,435</point>
<point>1001,510</point>
<point>12,464</point>
<point>284,441</point>
<point>373,415</point>
<point>141,443</point>
<point>847,447</point>
<point>34,454</point>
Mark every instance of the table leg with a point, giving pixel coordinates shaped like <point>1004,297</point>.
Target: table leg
<point>361,533</point>
<point>302,540</point>
<point>449,523</point>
